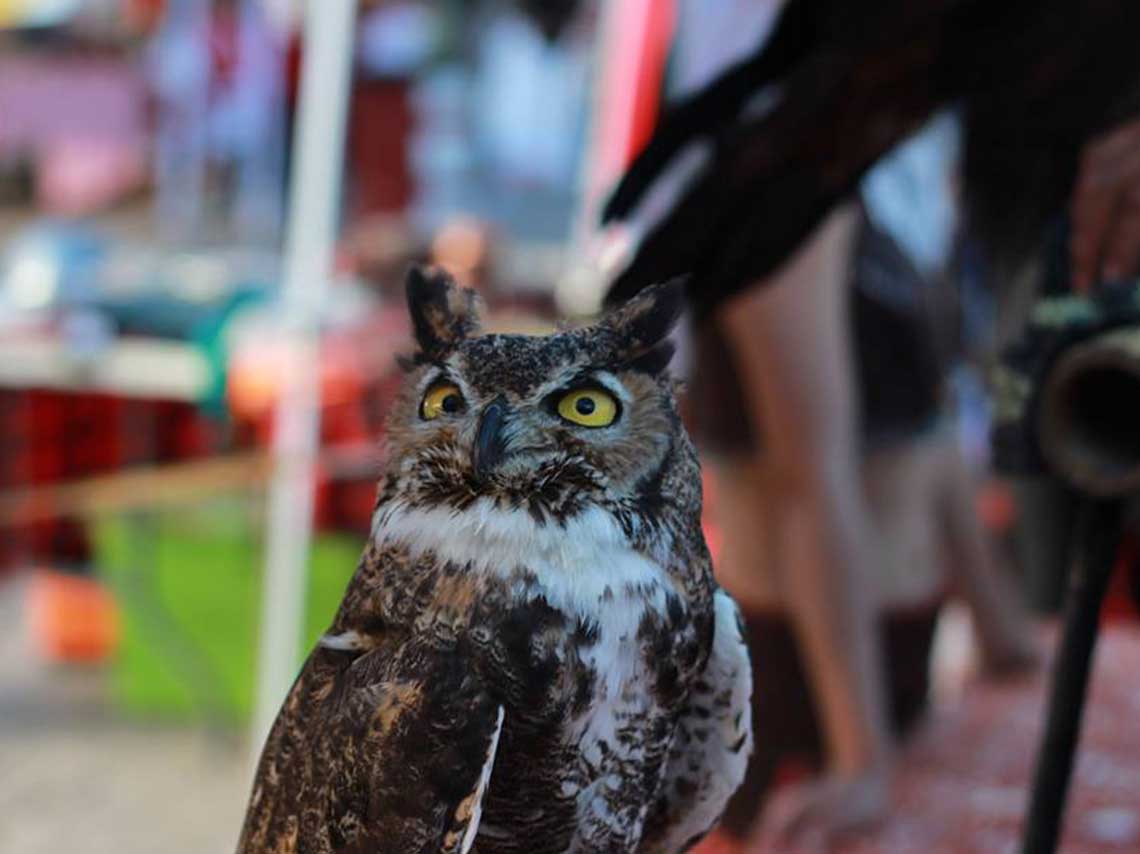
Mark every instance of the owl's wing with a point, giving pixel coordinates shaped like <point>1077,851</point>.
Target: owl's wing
<point>711,745</point>
<point>385,752</point>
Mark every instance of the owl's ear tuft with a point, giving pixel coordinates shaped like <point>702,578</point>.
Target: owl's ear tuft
<point>643,325</point>
<point>443,313</point>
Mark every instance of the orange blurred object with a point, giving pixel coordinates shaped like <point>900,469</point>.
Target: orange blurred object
<point>460,247</point>
<point>1122,604</point>
<point>718,843</point>
<point>72,618</point>
<point>996,506</point>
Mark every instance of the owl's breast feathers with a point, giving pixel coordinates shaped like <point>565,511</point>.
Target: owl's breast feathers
<point>591,650</point>
<point>553,615</point>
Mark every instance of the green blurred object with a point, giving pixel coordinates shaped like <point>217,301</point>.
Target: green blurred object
<point>188,584</point>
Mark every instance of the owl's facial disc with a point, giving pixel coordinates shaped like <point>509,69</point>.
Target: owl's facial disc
<point>547,425</point>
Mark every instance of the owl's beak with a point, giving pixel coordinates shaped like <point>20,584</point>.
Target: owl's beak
<point>489,444</point>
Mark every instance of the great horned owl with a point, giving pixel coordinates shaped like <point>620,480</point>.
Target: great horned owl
<point>533,655</point>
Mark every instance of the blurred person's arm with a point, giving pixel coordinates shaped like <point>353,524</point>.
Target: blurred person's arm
<point>1105,208</point>
<point>791,341</point>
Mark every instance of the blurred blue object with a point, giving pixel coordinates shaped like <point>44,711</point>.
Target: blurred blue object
<point>60,267</point>
<point>50,265</point>
<point>398,39</point>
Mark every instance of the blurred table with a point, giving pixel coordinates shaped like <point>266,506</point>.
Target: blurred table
<point>129,367</point>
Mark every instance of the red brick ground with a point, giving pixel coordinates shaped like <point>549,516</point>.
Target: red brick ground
<point>964,779</point>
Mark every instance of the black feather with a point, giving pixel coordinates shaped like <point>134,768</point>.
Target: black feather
<point>1035,79</point>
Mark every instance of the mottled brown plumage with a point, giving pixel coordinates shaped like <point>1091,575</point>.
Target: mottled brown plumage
<point>533,655</point>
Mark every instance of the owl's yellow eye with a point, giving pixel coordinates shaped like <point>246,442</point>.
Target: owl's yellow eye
<point>589,407</point>
<point>442,399</point>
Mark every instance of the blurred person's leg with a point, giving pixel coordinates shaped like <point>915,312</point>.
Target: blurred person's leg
<point>903,483</point>
<point>1000,617</point>
<point>745,512</point>
<point>791,344</point>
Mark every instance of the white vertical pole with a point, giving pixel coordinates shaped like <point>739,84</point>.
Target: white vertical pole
<point>309,240</point>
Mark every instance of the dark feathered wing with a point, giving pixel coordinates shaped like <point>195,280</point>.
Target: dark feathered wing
<point>711,745</point>
<point>1035,79</point>
<point>388,751</point>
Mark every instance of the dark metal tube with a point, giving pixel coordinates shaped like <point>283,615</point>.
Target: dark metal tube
<point>1098,535</point>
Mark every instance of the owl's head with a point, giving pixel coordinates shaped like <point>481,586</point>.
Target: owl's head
<point>550,425</point>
